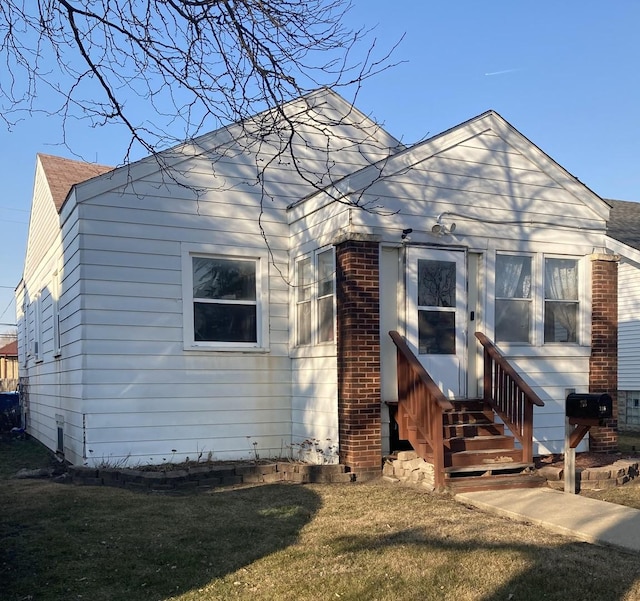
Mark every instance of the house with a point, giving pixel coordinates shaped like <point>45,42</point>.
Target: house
<point>623,230</point>
<point>9,366</point>
<point>226,299</point>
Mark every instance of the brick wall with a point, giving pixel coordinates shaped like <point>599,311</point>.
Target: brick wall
<point>603,363</point>
<point>358,338</point>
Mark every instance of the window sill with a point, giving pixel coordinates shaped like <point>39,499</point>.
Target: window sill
<point>227,349</point>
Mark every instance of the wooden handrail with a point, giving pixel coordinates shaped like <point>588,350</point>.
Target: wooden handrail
<point>420,407</point>
<point>509,396</point>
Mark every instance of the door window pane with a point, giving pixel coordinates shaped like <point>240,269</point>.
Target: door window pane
<point>436,283</point>
<point>437,332</point>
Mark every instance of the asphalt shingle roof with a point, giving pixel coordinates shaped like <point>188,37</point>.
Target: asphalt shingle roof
<point>624,222</point>
<point>9,350</point>
<point>62,174</point>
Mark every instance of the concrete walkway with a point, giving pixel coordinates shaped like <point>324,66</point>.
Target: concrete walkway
<point>583,518</point>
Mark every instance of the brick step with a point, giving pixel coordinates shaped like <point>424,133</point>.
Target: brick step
<point>482,457</point>
<point>474,443</point>
<point>471,430</point>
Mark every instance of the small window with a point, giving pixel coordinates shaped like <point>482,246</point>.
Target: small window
<point>223,301</point>
<point>560,300</point>
<point>304,281</point>
<point>513,298</point>
<point>55,304</point>
<point>326,270</point>
<point>315,293</point>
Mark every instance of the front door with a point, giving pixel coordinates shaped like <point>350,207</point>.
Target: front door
<point>436,315</point>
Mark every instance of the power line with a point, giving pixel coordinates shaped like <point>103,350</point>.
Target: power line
<point>12,209</point>
<point>7,308</point>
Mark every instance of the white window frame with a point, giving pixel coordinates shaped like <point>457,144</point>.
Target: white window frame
<point>55,307</point>
<point>315,298</point>
<point>531,299</point>
<point>213,251</point>
<point>37,326</point>
<point>538,301</point>
<point>580,302</point>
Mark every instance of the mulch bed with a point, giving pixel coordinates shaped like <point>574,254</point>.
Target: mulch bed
<point>586,460</point>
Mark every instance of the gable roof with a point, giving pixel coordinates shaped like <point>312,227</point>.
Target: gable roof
<point>489,121</point>
<point>62,174</point>
<point>624,222</point>
<point>9,350</point>
<point>340,129</point>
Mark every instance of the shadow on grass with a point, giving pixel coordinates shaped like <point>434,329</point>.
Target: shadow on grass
<point>64,542</point>
<point>575,570</point>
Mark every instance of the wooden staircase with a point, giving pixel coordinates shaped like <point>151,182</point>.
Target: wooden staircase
<point>468,447</point>
<point>479,455</point>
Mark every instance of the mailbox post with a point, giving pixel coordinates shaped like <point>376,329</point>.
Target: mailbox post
<point>582,411</point>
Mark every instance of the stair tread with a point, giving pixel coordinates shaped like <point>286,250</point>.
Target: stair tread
<point>485,467</point>
<point>486,451</point>
<point>479,437</point>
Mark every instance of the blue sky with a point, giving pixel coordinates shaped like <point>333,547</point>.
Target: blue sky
<point>565,74</point>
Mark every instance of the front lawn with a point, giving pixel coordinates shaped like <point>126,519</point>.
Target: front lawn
<point>285,542</point>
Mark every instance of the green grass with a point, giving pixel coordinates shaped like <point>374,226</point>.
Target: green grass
<point>283,542</point>
<point>629,442</point>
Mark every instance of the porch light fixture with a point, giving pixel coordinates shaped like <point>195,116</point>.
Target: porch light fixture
<point>441,229</point>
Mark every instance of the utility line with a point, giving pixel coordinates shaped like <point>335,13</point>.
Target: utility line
<point>6,309</point>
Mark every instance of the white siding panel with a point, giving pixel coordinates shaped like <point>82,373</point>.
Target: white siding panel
<point>628,327</point>
<point>315,409</point>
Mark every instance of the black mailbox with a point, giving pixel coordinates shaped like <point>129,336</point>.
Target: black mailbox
<point>589,405</point>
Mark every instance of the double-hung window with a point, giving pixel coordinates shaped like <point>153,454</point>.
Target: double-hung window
<point>514,306</point>
<point>314,294</point>
<point>560,300</point>
<point>537,299</point>
<point>223,301</point>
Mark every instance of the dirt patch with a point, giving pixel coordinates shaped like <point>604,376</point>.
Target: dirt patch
<point>586,460</point>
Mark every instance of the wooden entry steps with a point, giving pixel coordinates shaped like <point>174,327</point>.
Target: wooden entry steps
<point>478,454</point>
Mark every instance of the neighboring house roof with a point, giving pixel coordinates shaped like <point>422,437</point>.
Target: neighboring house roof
<point>624,222</point>
<point>9,350</point>
<point>62,174</point>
